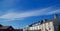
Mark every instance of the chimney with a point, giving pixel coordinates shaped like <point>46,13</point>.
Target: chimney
<point>45,20</point>
<point>41,21</point>
<point>55,16</point>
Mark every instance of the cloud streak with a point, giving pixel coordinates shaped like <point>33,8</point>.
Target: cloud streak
<point>13,16</point>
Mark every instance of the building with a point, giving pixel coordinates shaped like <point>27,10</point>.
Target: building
<point>45,25</point>
<point>26,28</point>
<point>18,29</point>
<point>6,28</point>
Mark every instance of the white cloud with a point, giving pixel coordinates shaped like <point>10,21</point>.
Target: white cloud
<point>56,11</point>
<point>13,16</point>
<point>21,15</point>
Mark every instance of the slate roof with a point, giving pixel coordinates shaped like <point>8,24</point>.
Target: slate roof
<point>4,27</point>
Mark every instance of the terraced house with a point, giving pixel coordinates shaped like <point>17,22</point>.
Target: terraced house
<point>45,25</point>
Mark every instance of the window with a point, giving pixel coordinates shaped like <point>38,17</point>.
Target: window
<point>46,29</point>
<point>40,30</point>
<point>49,28</point>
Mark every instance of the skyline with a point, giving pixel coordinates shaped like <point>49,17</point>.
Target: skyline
<point>20,13</point>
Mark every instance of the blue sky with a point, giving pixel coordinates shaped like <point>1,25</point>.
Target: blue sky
<point>21,13</point>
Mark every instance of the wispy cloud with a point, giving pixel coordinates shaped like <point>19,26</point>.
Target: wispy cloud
<point>13,16</point>
<point>55,11</point>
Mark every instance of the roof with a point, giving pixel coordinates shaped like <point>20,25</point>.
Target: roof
<point>5,27</point>
<point>42,21</point>
<point>46,20</point>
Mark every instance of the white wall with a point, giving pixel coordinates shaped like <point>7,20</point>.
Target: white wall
<point>44,26</point>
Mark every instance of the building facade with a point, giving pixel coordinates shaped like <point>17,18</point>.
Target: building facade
<point>45,25</point>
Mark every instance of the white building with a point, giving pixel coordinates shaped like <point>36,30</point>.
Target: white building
<point>46,25</point>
